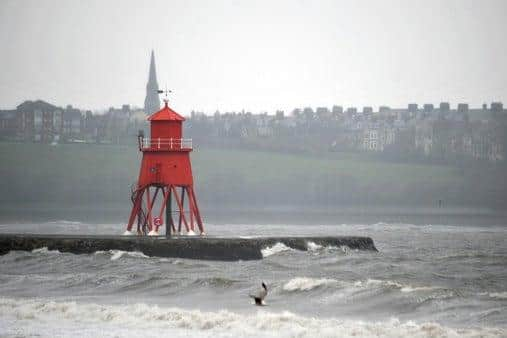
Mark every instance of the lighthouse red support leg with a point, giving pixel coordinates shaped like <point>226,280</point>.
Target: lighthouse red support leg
<point>169,222</point>
<point>190,208</point>
<point>180,206</point>
<point>162,207</point>
<point>148,204</point>
<point>196,209</point>
<point>135,208</point>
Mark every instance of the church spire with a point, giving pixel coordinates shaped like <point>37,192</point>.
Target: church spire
<point>152,101</point>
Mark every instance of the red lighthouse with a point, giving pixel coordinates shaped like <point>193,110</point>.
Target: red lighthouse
<point>166,174</point>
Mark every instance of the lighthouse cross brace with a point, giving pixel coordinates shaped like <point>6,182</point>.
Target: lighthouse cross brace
<point>145,212</point>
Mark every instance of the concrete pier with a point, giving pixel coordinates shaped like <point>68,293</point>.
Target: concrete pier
<point>210,248</point>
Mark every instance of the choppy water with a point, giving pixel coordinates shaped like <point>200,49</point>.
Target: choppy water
<point>426,281</point>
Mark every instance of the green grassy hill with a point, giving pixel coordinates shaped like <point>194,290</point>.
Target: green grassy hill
<point>98,174</point>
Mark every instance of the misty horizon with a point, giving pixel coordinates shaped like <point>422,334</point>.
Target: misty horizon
<point>453,106</point>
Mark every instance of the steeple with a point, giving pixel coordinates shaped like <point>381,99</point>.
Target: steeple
<point>152,101</point>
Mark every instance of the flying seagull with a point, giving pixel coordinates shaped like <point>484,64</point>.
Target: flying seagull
<point>260,295</point>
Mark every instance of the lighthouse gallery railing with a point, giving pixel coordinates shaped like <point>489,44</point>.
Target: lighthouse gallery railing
<point>165,143</point>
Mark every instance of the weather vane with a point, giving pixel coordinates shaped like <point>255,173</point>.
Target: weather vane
<point>165,92</point>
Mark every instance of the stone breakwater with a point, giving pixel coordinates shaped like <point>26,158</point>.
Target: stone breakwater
<point>210,248</point>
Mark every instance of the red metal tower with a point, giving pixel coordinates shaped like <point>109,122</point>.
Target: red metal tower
<point>165,169</point>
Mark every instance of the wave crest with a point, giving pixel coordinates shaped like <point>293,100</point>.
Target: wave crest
<point>314,247</point>
<point>215,282</point>
<point>117,254</point>
<point>497,295</point>
<point>393,284</point>
<point>45,250</point>
<point>134,319</point>
<point>306,284</point>
<point>275,249</point>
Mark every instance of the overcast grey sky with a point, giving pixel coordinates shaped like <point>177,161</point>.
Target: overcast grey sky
<point>257,55</point>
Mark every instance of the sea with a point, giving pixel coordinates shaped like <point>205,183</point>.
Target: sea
<point>426,280</point>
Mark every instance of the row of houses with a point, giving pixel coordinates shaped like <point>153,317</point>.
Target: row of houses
<point>482,140</point>
<point>39,121</point>
<point>437,132</point>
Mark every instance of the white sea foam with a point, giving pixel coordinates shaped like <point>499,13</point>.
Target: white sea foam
<point>63,221</point>
<point>414,289</point>
<point>272,250</point>
<point>306,284</point>
<point>370,282</point>
<point>393,284</point>
<point>499,295</point>
<point>117,254</point>
<point>380,224</point>
<point>44,318</point>
<point>45,250</point>
<point>346,249</point>
<point>312,246</point>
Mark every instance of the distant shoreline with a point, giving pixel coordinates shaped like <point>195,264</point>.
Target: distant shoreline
<point>114,213</point>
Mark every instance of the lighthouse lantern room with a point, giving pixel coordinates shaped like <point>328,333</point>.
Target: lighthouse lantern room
<point>165,188</point>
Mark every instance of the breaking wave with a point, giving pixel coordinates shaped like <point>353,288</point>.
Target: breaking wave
<point>393,284</point>
<point>215,282</point>
<point>134,319</point>
<point>497,295</point>
<point>45,250</point>
<point>117,254</point>
<point>314,247</point>
<point>307,284</point>
<point>273,250</point>
<point>310,246</point>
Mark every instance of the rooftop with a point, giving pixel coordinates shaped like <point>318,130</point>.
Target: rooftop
<point>166,114</point>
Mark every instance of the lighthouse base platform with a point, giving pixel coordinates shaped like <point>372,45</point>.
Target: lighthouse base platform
<point>208,248</point>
